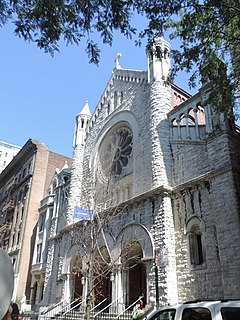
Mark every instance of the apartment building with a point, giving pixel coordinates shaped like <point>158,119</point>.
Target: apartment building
<point>23,184</point>
<point>7,153</point>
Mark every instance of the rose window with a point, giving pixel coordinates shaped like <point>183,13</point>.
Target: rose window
<point>116,152</point>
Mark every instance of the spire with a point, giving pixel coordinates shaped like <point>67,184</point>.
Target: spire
<point>82,120</point>
<point>86,110</point>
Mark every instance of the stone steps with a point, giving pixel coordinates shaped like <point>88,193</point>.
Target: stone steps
<point>77,315</point>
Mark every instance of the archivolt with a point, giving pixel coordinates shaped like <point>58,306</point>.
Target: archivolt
<point>138,232</point>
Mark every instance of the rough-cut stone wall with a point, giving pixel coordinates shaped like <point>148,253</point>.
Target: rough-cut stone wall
<point>76,182</point>
<point>204,180</point>
<point>189,160</point>
<point>193,281</point>
<point>160,104</point>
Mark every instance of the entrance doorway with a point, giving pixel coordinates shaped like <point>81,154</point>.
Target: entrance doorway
<point>78,287</point>
<point>103,285</point>
<point>76,271</point>
<point>137,283</point>
<point>136,272</point>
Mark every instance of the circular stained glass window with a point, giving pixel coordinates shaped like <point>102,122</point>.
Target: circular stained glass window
<point>116,152</point>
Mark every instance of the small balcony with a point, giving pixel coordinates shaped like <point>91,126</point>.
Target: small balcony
<point>38,267</point>
<point>47,201</point>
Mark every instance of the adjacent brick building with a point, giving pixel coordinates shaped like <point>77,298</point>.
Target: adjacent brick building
<point>23,183</point>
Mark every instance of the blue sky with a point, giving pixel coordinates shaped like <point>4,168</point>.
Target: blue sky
<point>41,95</point>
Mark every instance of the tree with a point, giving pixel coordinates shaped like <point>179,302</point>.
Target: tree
<point>94,260</point>
<point>209,30</point>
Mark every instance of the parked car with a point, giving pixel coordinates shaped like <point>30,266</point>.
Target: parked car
<point>15,311</point>
<point>199,310</point>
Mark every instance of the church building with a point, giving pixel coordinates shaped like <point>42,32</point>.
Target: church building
<point>153,197</point>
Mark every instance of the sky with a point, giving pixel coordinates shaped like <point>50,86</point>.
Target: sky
<point>41,95</point>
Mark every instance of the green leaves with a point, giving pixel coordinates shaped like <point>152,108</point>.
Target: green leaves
<point>206,28</point>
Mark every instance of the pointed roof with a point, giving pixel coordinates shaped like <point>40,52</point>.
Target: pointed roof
<point>86,110</point>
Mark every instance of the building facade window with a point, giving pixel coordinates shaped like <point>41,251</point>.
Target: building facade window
<point>195,246</point>
<point>42,222</point>
<point>195,229</point>
<point>39,253</point>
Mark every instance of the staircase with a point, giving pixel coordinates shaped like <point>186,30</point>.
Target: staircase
<point>76,311</point>
<point>78,315</point>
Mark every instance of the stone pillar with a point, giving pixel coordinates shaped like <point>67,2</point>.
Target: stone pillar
<point>67,288</point>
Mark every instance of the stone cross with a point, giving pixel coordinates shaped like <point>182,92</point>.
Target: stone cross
<point>116,60</point>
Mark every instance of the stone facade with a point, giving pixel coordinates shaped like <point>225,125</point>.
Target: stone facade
<point>164,168</point>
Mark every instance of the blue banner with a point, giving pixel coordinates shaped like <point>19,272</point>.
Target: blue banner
<point>82,213</point>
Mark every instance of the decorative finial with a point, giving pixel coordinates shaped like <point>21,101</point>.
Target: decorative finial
<point>116,60</point>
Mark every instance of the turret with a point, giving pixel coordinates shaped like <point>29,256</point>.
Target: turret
<point>158,54</point>
<point>81,124</point>
<point>82,120</point>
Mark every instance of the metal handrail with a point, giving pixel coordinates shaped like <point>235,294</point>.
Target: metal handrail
<point>102,310</point>
<point>106,307</point>
<point>67,306</point>
<point>77,305</point>
<point>129,306</point>
<point>98,304</point>
<point>52,308</point>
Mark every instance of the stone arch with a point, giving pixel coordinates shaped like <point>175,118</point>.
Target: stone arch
<point>135,231</point>
<point>107,241</point>
<point>68,260</point>
<point>191,119</point>
<point>134,246</point>
<point>195,221</point>
<point>182,119</point>
<point>200,114</point>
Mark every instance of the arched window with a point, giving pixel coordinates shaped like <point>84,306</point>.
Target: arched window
<point>195,228</point>
<point>195,246</point>
<point>82,123</point>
